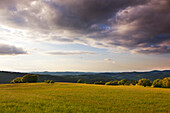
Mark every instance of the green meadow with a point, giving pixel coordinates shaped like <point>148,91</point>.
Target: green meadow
<point>82,98</point>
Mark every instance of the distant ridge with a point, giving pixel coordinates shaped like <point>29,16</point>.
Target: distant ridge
<point>90,73</point>
<point>62,73</point>
<point>88,77</point>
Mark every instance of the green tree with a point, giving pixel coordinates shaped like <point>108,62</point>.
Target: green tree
<point>122,82</point>
<point>17,80</point>
<point>51,81</point>
<point>112,83</point>
<point>30,78</point>
<point>101,83</point>
<point>48,81</point>
<point>157,83</point>
<point>144,82</point>
<point>166,82</point>
<point>127,83</point>
<point>80,81</point>
<point>133,82</point>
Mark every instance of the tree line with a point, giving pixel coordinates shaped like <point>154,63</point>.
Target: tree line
<point>28,78</point>
<point>165,83</point>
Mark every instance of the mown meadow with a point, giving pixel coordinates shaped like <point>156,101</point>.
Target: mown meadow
<point>82,98</point>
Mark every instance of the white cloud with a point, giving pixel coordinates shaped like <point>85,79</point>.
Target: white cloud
<point>107,59</point>
<point>69,52</point>
<point>110,60</point>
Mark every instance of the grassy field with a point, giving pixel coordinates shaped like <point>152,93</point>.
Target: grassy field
<point>77,98</point>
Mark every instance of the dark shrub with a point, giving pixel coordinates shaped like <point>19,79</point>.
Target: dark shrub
<point>48,81</point>
<point>79,81</point>
<point>109,83</point>
<point>133,82</point>
<point>157,83</point>
<point>127,83</point>
<point>112,83</point>
<point>166,82</point>
<point>51,81</point>
<point>101,83</point>
<point>17,80</point>
<point>30,78</point>
<point>122,82</point>
<point>144,82</point>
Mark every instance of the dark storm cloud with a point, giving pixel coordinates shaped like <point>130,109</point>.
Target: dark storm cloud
<point>82,14</point>
<point>140,26</point>
<point>148,27</point>
<point>10,50</point>
<point>72,15</point>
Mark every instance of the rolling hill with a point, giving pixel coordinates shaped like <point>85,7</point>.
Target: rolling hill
<point>6,77</point>
<point>82,98</point>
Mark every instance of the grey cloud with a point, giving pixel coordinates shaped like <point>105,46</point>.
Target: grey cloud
<point>69,52</point>
<point>82,14</point>
<point>136,25</point>
<point>153,50</point>
<point>77,15</point>
<point>10,50</point>
<point>143,28</point>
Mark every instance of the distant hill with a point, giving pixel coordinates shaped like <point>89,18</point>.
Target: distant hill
<point>6,77</point>
<point>62,73</point>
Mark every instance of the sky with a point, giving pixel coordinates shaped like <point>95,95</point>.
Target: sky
<point>84,35</point>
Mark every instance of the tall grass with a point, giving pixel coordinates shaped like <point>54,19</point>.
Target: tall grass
<point>81,98</point>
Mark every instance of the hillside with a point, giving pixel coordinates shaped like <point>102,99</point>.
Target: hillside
<point>82,98</point>
<point>6,77</point>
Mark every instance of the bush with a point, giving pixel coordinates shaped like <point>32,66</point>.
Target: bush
<point>166,82</point>
<point>30,78</point>
<point>17,80</point>
<point>101,83</point>
<point>79,81</point>
<point>48,81</point>
<point>112,83</point>
<point>157,83</point>
<point>122,82</point>
<point>51,81</point>
<point>109,83</point>
<point>145,82</point>
<point>133,82</point>
<point>128,83</point>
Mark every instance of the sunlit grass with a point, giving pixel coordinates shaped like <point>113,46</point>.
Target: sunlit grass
<point>73,97</point>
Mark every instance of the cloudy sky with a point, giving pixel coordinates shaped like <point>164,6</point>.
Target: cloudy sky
<point>84,35</point>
